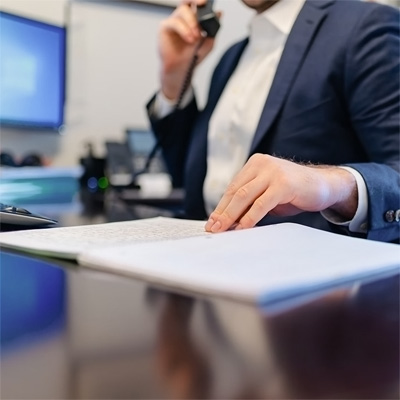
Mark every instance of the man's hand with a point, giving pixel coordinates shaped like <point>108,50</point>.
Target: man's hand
<point>270,185</point>
<point>179,38</point>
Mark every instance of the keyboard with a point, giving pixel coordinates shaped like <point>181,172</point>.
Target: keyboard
<point>14,215</point>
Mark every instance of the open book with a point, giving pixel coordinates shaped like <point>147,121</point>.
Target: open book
<point>265,264</point>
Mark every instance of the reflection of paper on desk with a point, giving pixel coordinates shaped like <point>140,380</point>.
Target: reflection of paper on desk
<point>264,264</point>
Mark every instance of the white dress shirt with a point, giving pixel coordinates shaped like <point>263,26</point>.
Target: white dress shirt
<point>243,99</point>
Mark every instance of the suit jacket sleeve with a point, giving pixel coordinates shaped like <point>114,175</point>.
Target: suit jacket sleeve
<point>373,93</point>
<point>173,134</point>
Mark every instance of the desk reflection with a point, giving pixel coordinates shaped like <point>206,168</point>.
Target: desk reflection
<point>82,334</point>
<point>346,345</point>
<point>343,345</point>
<point>182,366</point>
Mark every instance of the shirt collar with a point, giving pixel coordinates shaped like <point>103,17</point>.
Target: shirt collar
<point>281,15</point>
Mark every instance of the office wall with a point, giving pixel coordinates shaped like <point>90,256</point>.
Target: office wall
<point>112,70</point>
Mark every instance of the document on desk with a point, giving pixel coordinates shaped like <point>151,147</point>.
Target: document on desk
<point>261,265</point>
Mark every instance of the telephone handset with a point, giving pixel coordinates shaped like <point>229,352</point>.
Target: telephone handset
<point>208,19</point>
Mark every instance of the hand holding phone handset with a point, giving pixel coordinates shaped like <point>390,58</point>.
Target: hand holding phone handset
<point>187,33</point>
<point>186,38</point>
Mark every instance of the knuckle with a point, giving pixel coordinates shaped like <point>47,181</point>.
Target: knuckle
<point>226,217</point>
<point>216,214</point>
<point>247,221</point>
<point>231,189</point>
<point>259,205</point>
<point>242,193</point>
<point>217,211</point>
<point>254,158</point>
<point>259,158</point>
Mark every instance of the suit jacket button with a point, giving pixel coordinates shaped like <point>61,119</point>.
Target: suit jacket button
<point>389,216</point>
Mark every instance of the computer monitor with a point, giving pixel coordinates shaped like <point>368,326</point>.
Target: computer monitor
<point>141,143</point>
<point>32,73</point>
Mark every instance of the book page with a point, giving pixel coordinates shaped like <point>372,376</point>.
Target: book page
<point>263,264</point>
<point>70,241</point>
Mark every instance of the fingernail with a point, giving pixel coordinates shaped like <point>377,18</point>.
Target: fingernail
<point>216,227</point>
<point>209,224</point>
<point>238,227</point>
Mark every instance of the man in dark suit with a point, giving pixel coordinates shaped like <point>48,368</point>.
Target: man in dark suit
<point>301,122</point>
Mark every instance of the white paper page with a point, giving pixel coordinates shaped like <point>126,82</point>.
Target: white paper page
<point>262,264</point>
<point>70,241</point>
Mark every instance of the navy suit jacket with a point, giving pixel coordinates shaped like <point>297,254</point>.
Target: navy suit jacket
<point>334,100</point>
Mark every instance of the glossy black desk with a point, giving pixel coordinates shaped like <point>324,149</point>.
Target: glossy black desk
<point>72,333</point>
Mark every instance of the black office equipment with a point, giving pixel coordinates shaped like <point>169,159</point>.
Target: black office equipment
<point>208,19</point>
<point>14,215</point>
<point>119,164</point>
<point>29,160</point>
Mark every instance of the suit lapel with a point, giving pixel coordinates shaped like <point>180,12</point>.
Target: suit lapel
<point>298,42</point>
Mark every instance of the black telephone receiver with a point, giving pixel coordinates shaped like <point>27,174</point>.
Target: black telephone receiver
<point>208,19</point>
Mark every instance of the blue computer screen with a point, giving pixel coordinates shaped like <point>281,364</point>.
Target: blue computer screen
<point>32,72</point>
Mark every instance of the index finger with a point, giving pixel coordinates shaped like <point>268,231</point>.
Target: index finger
<point>233,204</point>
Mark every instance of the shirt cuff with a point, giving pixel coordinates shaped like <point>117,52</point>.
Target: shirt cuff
<point>359,222</point>
<point>163,106</point>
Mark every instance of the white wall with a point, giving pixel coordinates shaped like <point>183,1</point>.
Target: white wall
<point>112,70</point>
